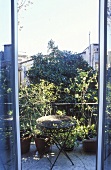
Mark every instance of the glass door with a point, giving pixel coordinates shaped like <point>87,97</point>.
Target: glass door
<point>9,127</point>
<point>104,124</point>
<point>107,136</point>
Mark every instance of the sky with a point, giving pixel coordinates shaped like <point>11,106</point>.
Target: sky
<point>66,22</point>
<point>5,19</point>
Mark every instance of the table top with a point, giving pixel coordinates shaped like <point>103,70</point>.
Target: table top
<point>55,122</point>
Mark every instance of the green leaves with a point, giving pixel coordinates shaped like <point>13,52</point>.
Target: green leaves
<point>60,77</point>
<point>57,67</point>
<point>66,71</point>
<point>34,102</point>
<point>85,85</point>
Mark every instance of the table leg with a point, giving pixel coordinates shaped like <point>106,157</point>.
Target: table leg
<point>60,147</point>
<point>64,152</point>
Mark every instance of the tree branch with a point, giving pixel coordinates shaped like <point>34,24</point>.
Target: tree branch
<point>22,4</point>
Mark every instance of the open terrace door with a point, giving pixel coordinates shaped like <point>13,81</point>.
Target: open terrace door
<point>10,156</point>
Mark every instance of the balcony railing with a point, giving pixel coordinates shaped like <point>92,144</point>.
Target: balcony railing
<point>87,111</point>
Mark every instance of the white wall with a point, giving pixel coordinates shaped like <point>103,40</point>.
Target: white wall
<point>91,55</point>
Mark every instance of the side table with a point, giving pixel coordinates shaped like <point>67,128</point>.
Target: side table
<point>54,125</point>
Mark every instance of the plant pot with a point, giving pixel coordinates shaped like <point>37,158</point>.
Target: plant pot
<point>25,144</point>
<point>90,145</point>
<point>68,149</point>
<point>42,144</point>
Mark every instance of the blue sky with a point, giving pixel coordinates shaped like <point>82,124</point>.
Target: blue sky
<point>67,22</point>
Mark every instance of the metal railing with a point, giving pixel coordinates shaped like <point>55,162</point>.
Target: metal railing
<point>88,112</point>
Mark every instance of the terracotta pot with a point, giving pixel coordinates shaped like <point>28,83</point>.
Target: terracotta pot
<point>42,144</point>
<point>90,145</point>
<point>25,144</point>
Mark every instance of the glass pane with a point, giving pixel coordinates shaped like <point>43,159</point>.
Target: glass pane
<point>7,153</point>
<point>107,143</point>
<point>48,71</point>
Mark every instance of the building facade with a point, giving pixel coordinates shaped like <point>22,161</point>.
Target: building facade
<point>91,55</point>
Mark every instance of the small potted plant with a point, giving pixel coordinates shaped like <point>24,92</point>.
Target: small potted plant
<point>87,134</point>
<point>25,134</point>
<point>71,141</point>
<point>25,118</point>
<point>25,139</point>
<point>42,142</point>
<point>89,138</point>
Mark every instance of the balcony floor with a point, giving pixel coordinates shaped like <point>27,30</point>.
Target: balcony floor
<point>81,160</point>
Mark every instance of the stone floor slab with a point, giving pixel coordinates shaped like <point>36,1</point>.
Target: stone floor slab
<point>81,160</point>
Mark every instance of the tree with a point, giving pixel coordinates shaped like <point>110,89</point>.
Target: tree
<point>22,5</point>
<point>85,86</point>
<point>57,67</point>
<point>70,74</point>
<point>34,102</point>
<point>53,50</point>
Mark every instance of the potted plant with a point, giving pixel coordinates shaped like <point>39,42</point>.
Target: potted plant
<point>88,136</point>
<point>71,141</point>
<point>25,139</point>
<point>34,102</point>
<point>42,142</point>
<point>26,117</point>
<point>25,134</point>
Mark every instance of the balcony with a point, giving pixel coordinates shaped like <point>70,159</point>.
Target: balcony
<point>81,160</point>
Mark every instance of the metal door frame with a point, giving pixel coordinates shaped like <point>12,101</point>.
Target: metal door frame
<point>102,81</point>
<point>14,39</point>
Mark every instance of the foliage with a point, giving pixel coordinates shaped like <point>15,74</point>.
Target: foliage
<point>6,88</point>
<point>34,102</point>
<point>57,67</point>
<point>85,86</point>
<point>71,136</point>
<point>61,113</point>
<point>108,104</point>
<point>71,141</point>
<point>5,80</point>
<point>60,77</point>
<point>22,5</point>
<point>85,132</point>
<point>80,132</point>
<point>74,79</point>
